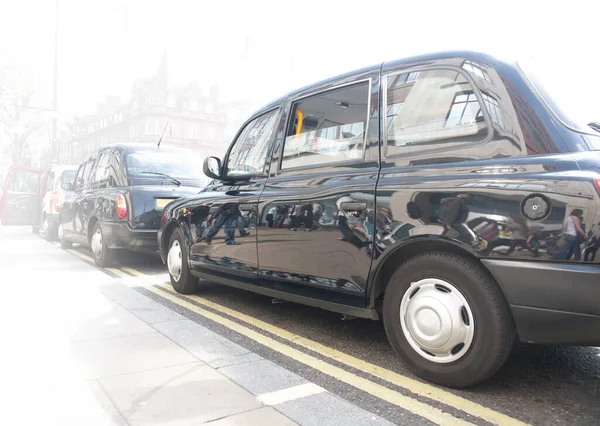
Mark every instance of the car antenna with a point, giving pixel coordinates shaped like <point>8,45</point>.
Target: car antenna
<point>161,136</point>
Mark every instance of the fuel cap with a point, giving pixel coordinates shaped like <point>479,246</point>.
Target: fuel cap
<point>535,207</point>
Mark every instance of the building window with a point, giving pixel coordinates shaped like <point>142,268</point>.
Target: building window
<point>477,69</point>
<point>401,79</point>
<point>439,106</point>
<point>327,127</point>
<point>493,108</point>
<point>171,101</point>
<point>192,132</point>
<point>209,108</point>
<point>194,105</point>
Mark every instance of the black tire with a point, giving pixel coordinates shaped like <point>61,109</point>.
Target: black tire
<point>187,283</point>
<point>494,333</point>
<point>64,244</point>
<point>107,256</point>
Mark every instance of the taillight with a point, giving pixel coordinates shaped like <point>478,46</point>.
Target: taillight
<point>121,206</point>
<point>57,207</point>
<point>164,217</point>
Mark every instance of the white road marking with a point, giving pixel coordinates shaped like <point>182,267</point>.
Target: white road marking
<point>290,394</point>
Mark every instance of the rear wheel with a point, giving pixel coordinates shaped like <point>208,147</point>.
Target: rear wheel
<point>65,244</point>
<point>103,256</point>
<point>47,231</point>
<point>182,279</point>
<point>447,319</point>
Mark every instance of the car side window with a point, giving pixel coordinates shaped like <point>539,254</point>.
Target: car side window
<point>114,169</point>
<point>249,152</point>
<point>87,172</point>
<point>327,127</point>
<point>101,174</point>
<point>79,178</point>
<point>431,107</point>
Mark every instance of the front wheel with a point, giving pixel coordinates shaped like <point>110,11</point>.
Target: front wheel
<point>103,256</point>
<point>182,279</point>
<point>447,319</point>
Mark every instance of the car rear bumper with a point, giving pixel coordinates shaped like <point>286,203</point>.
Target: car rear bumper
<point>120,235</point>
<point>554,303</point>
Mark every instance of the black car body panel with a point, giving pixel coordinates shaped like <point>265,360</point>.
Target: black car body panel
<point>95,200</point>
<point>497,188</point>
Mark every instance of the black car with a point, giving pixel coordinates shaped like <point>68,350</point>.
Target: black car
<point>444,194</point>
<point>119,193</point>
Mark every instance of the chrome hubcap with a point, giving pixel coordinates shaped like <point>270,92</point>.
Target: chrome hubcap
<point>60,232</point>
<point>437,320</point>
<point>97,243</point>
<point>174,262</point>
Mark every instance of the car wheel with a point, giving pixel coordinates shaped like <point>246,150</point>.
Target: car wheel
<point>447,319</point>
<point>182,279</point>
<point>35,229</point>
<point>65,244</point>
<point>103,256</point>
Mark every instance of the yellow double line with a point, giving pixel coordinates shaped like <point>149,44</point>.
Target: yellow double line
<point>408,403</point>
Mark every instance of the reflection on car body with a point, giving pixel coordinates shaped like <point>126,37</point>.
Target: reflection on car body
<point>431,192</point>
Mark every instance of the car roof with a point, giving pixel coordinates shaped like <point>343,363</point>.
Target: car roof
<point>492,60</point>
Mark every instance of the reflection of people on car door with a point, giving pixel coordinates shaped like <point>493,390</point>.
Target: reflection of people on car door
<point>572,230</point>
<point>226,215</point>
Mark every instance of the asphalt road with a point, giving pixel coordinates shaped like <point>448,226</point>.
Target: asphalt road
<point>539,385</point>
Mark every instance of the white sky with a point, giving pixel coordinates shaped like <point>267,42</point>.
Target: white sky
<point>104,45</point>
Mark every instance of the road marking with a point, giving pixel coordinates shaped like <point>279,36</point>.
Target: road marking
<point>422,389</point>
<point>290,394</point>
<point>424,410</point>
<point>81,255</point>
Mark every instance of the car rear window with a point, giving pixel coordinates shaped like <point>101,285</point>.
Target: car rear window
<point>177,164</point>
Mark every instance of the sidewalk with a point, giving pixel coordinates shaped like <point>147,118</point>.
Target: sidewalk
<point>85,349</point>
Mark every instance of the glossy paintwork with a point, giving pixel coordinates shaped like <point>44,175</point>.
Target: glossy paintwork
<point>97,202</point>
<point>465,196</point>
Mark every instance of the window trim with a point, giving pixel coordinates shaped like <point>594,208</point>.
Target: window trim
<point>277,110</point>
<point>288,124</point>
<point>384,103</point>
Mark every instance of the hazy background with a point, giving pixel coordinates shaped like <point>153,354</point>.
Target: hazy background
<point>248,52</point>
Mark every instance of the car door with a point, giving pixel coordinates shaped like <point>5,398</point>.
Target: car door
<point>20,201</point>
<point>82,203</point>
<point>317,209</point>
<point>222,220</point>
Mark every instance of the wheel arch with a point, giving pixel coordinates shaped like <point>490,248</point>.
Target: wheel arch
<point>397,254</point>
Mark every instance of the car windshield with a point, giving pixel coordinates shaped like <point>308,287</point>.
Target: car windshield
<point>179,165</point>
<point>68,176</point>
<point>571,96</point>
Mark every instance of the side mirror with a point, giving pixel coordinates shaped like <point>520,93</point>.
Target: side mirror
<point>212,167</point>
<point>67,186</point>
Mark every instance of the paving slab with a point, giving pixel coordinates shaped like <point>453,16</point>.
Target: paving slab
<point>326,409</point>
<point>182,395</point>
<point>113,321</point>
<point>200,341</point>
<point>139,305</point>
<point>261,417</point>
<point>262,376</point>
<point>121,355</point>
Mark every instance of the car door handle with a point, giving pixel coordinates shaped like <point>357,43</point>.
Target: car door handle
<point>352,207</point>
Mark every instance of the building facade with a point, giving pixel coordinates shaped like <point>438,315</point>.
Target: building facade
<point>187,117</point>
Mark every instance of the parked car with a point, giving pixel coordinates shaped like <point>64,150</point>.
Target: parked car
<point>20,202</point>
<point>53,196</point>
<point>119,192</point>
<point>465,169</point>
